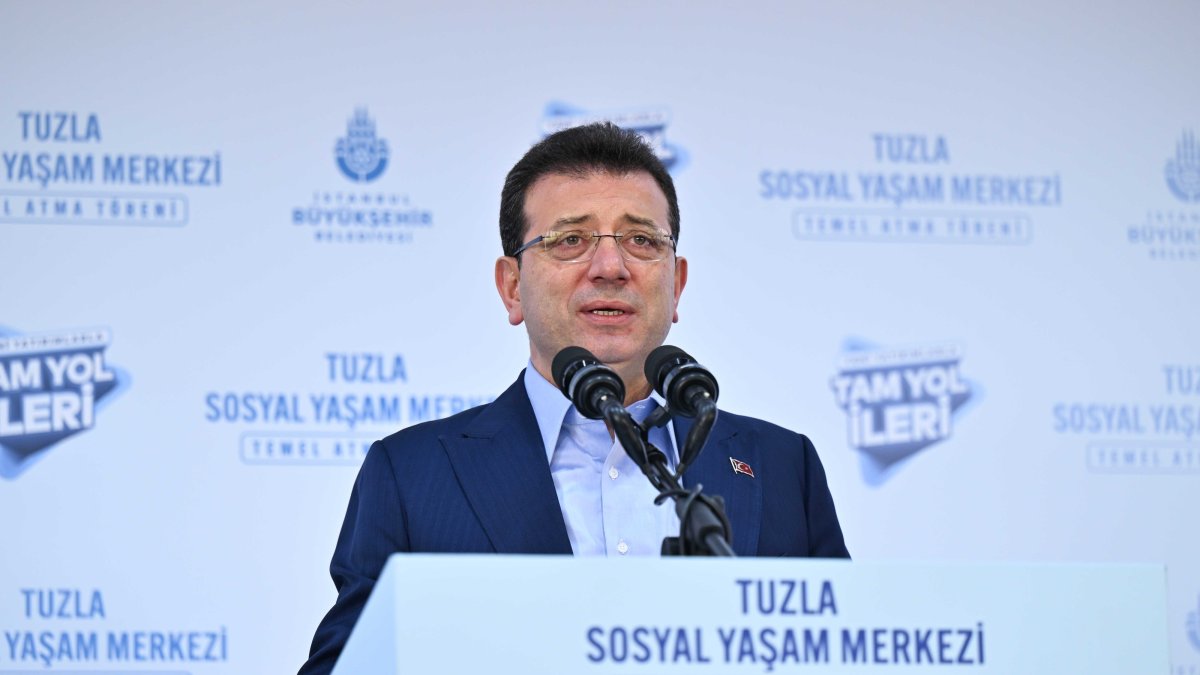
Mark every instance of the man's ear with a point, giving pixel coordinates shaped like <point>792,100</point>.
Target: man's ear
<point>508,285</point>
<point>681,272</point>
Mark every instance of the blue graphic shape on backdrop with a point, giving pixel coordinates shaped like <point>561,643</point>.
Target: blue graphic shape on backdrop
<point>1183,170</point>
<point>649,122</point>
<point>360,155</point>
<point>51,387</point>
<point>899,401</point>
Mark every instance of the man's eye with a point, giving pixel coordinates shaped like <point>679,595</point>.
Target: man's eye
<point>571,240</point>
<point>643,240</point>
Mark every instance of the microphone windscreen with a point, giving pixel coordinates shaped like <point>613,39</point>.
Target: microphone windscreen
<point>564,359</point>
<point>659,364</point>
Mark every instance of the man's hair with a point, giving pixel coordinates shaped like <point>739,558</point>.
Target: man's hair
<point>602,147</point>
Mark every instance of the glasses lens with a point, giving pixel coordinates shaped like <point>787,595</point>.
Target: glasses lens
<point>567,246</point>
<point>645,245</point>
<point>579,246</point>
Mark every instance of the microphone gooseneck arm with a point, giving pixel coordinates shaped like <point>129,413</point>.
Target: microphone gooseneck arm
<point>628,433</point>
<point>706,417</point>
<point>703,527</point>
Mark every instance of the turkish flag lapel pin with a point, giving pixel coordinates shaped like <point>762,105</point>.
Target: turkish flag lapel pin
<point>741,467</point>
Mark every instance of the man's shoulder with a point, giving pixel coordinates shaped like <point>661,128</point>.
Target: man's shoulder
<point>431,429</point>
<point>482,420</point>
<point>746,424</point>
<point>422,444</point>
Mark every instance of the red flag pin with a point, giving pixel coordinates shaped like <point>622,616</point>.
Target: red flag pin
<point>741,467</point>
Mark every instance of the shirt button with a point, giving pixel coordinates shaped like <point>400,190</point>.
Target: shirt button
<point>613,473</point>
<point>622,547</point>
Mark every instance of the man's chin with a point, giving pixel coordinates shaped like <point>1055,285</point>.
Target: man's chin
<point>619,357</point>
<point>608,354</point>
<point>617,354</point>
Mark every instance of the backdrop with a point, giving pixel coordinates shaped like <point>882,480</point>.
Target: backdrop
<point>957,244</point>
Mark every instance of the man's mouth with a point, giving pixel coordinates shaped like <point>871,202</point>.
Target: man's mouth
<point>607,309</point>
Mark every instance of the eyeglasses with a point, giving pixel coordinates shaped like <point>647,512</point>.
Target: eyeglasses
<point>576,246</point>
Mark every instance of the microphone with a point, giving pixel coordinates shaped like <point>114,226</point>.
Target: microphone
<point>599,394</point>
<point>591,385</point>
<point>689,390</point>
<point>687,386</point>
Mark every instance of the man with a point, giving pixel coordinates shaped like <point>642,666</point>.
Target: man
<point>589,222</point>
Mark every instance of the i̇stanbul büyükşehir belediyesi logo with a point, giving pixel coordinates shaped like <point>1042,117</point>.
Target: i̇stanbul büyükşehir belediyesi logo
<point>898,401</point>
<point>361,156</point>
<point>355,214</point>
<point>50,388</point>
<point>1183,170</point>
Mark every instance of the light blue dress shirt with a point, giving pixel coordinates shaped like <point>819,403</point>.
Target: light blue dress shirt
<point>606,500</point>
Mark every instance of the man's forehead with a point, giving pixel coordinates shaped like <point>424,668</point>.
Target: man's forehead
<point>571,198</point>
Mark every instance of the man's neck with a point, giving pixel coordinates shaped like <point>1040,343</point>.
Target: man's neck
<point>636,389</point>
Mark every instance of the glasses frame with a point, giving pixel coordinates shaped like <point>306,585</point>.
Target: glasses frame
<point>550,237</point>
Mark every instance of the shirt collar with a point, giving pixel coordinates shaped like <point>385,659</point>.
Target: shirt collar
<point>550,408</point>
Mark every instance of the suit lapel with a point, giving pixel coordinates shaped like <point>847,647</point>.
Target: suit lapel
<point>501,465</point>
<point>713,470</point>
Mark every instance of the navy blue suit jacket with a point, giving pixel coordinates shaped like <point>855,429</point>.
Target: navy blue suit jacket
<point>479,482</point>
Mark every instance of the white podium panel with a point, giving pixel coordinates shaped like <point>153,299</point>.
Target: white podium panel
<point>529,614</point>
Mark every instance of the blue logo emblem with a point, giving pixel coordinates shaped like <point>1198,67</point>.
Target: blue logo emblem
<point>360,155</point>
<point>649,123</point>
<point>1183,170</point>
<point>898,401</point>
<point>51,386</point>
<point>1193,626</point>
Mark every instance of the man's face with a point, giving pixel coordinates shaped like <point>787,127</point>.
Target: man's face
<point>619,310</point>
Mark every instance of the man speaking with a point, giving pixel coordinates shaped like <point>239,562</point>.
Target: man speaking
<point>589,222</point>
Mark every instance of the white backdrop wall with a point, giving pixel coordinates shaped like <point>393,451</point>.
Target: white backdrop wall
<point>957,244</point>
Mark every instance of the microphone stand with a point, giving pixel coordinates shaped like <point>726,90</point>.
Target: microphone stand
<point>703,527</point>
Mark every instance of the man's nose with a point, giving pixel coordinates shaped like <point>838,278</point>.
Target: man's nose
<point>608,262</point>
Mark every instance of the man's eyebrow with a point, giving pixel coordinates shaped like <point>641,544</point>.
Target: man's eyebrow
<point>628,217</point>
<point>571,220</point>
<point>640,220</point>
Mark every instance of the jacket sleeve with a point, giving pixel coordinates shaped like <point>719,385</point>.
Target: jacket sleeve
<point>825,534</point>
<point>374,528</point>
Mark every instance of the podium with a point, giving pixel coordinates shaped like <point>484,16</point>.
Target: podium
<point>533,614</point>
